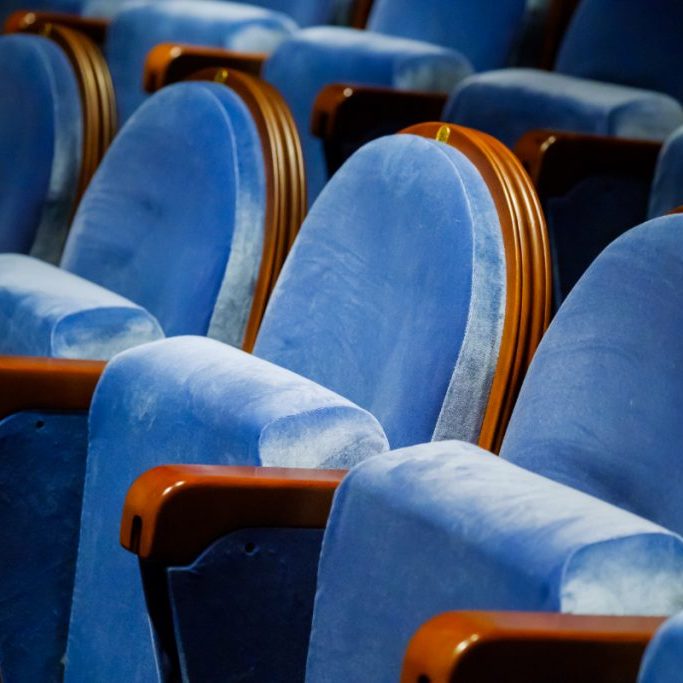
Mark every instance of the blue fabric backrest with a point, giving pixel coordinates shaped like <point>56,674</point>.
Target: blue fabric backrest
<point>663,660</point>
<point>667,188</point>
<point>600,409</point>
<point>378,296</point>
<point>158,220</point>
<point>40,145</point>
<point>482,30</point>
<point>626,41</point>
<point>304,12</point>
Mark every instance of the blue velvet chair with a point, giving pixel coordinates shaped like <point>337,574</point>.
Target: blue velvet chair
<point>663,657</point>
<point>167,240</point>
<point>617,73</point>
<point>384,329</point>
<point>579,515</point>
<point>40,146</point>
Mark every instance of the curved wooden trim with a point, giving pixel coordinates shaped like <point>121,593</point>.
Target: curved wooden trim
<point>92,28</point>
<point>519,647</point>
<point>28,383</point>
<point>168,63</point>
<point>558,20</point>
<point>528,284</point>
<point>173,513</point>
<point>678,209</point>
<point>285,181</point>
<point>360,13</point>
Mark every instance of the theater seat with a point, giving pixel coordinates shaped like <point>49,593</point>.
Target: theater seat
<point>395,295</point>
<point>40,146</point>
<point>662,661</point>
<point>616,74</point>
<point>176,234</point>
<point>558,523</point>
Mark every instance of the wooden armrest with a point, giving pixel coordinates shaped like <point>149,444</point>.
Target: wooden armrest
<point>170,62</point>
<point>517,647</point>
<point>95,29</point>
<point>557,160</point>
<point>350,110</point>
<point>28,383</point>
<point>173,513</point>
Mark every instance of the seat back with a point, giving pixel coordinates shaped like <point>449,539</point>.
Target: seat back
<point>400,255</point>
<point>600,409</point>
<point>667,187</point>
<point>482,30</point>
<point>40,145</point>
<point>182,184</point>
<point>664,655</point>
<point>627,42</point>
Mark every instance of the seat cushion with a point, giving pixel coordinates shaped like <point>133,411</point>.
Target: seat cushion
<point>600,407</point>
<point>173,219</point>
<point>482,30</point>
<point>40,145</point>
<point>394,293</point>
<point>325,55</point>
<point>447,526</point>
<point>627,42</point>
<point>45,311</point>
<point>667,187</point>
<point>139,26</point>
<point>511,102</point>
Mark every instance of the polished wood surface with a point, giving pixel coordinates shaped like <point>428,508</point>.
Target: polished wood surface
<point>347,116</point>
<point>46,384</point>
<point>528,266</point>
<point>24,20</point>
<point>173,513</point>
<point>168,63</point>
<point>517,647</point>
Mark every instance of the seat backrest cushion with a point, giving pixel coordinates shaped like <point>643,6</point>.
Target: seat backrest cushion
<point>663,658</point>
<point>600,409</point>
<point>40,145</point>
<point>483,30</point>
<point>394,293</point>
<point>626,41</point>
<point>139,26</point>
<point>180,191</point>
<point>667,187</point>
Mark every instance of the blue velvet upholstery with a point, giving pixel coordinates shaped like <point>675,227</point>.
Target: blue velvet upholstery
<point>136,29</point>
<point>45,311</point>
<point>182,184</point>
<point>482,30</point>
<point>628,42</point>
<point>608,422</point>
<point>508,103</point>
<point>447,526</point>
<point>324,55</point>
<point>41,476</point>
<point>414,344</point>
<point>40,145</point>
<point>663,659</point>
<point>667,188</point>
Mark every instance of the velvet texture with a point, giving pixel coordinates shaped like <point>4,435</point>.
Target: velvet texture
<point>664,656</point>
<point>41,474</point>
<point>624,41</point>
<point>40,145</point>
<point>599,409</point>
<point>136,29</point>
<point>420,531</point>
<point>348,313</point>
<point>511,102</point>
<point>667,188</point>
<point>324,55</point>
<point>482,30</point>
<point>45,311</point>
<point>186,171</point>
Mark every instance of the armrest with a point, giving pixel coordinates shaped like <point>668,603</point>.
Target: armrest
<point>558,160</point>
<point>22,20</point>
<point>173,513</point>
<point>47,311</point>
<point>168,63</point>
<point>519,647</point>
<point>348,116</point>
<point>46,384</point>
